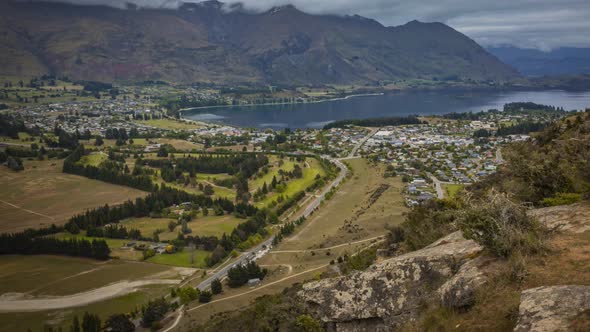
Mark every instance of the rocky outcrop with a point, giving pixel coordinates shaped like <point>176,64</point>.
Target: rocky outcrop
<point>392,293</point>
<point>547,309</point>
<point>459,291</point>
<point>570,218</point>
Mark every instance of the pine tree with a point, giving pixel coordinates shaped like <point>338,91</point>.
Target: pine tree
<point>216,286</point>
<point>75,327</point>
<point>264,188</point>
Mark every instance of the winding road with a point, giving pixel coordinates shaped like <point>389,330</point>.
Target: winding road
<point>437,185</point>
<point>264,247</point>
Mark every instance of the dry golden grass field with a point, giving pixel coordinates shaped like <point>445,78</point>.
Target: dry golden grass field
<point>347,223</point>
<point>41,195</point>
<point>59,278</point>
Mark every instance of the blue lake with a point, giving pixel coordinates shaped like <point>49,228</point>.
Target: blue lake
<point>316,115</point>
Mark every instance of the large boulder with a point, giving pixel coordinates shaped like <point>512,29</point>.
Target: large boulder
<point>391,293</point>
<point>459,291</point>
<point>551,308</point>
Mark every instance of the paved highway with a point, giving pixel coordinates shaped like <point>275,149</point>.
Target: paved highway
<point>354,150</point>
<point>263,248</point>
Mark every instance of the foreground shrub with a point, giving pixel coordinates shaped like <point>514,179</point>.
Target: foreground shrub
<point>562,199</point>
<point>425,224</point>
<point>501,225</point>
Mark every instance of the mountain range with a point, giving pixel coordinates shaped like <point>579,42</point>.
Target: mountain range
<point>532,62</point>
<point>207,42</point>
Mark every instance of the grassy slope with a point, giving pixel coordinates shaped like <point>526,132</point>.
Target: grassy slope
<point>323,228</point>
<point>147,226</point>
<point>182,258</point>
<point>296,185</point>
<point>451,190</point>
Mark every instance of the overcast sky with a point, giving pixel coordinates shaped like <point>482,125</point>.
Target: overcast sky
<point>541,24</point>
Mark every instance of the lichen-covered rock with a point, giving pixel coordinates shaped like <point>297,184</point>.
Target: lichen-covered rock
<point>451,238</point>
<point>391,293</point>
<point>551,308</point>
<point>570,218</point>
<point>459,291</point>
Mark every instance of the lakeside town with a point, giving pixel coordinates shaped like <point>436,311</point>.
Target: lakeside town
<point>434,158</point>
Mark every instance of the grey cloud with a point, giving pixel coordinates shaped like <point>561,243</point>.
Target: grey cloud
<point>542,24</point>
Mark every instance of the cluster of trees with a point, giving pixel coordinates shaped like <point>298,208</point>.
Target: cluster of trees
<point>121,133</point>
<point>119,323</point>
<point>290,202</point>
<point>30,243</point>
<point>286,230</point>
<point>246,164</point>
<point>114,232</point>
<point>14,163</point>
<point>208,243</point>
<point>275,185</point>
<point>510,108</point>
<point>112,172</point>
<point>481,133</point>
<point>296,173</point>
<point>375,122</point>
<point>153,312</point>
<point>240,274</point>
<point>278,138</point>
<point>142,207</point>
<point>256,225</point>
<point>472,116</point>
<point>65,140</point>
<point>12,155</point>
<point>115,323</point>
<point>90,323</point>
<point>188,294</point>
<point>216,286</point>
<point>92,86</point>
<point>522,128</point>
<point>242,188</point>
<point>21,152</point>
<point>530,106</point>
<point>241,165</point>
<point>187,102</point>
<point>280,185</point>
<point>10,126</point>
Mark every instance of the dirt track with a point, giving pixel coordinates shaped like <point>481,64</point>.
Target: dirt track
<point>16,302</point>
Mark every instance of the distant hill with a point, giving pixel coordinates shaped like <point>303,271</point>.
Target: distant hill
<point>206,43</point>
<point>530,62</point>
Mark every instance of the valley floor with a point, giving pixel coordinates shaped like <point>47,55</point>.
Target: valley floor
<point>355,218</point>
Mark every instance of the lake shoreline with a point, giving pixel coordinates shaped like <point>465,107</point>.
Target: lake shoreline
<point>443,89</point>
<point>395,104</point>
<point>288,103</point>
